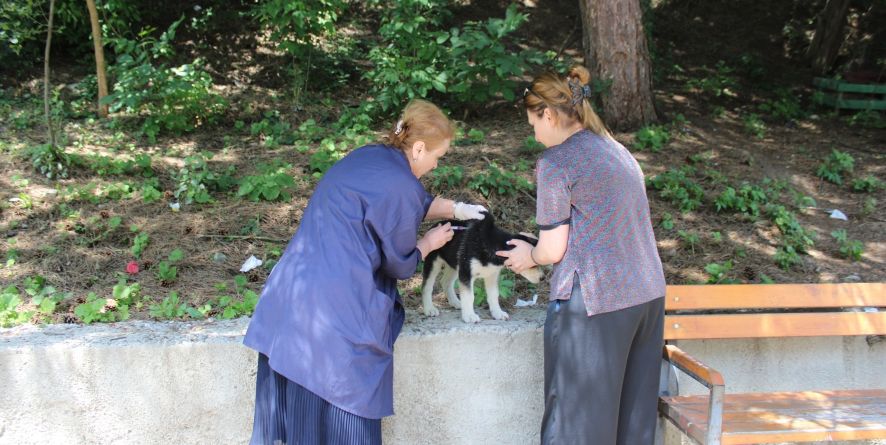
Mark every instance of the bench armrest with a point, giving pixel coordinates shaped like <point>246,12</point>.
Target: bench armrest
<point>708,377</point>
<point>702,373</point>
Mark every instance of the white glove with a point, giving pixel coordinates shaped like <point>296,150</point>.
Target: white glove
<point>463,211</point>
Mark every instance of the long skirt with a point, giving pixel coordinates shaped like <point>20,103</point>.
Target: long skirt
<point>288,414</point>
<point>601,373</point>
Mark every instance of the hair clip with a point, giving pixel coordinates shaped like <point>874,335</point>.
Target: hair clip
<point>579,92</point>
<point>399,128</point>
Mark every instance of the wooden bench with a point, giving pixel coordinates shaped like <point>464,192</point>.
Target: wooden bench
<point>773,310</point>
<point>854,96</point>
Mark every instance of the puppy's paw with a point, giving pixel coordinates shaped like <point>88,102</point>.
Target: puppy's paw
<point>431,311</point>
<point>500,315</point>
<point>470,317</point>
<point>455,303</point>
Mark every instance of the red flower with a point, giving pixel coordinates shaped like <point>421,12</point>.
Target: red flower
<point>132,268</point>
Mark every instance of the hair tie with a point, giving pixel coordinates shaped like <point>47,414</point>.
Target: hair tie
<point>399,128</point>
<point>579,92</point>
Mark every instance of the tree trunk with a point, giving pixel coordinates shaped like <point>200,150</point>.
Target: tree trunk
<point>616,50</point>
<point>49,129</point>
<point>828,35</point>
<point>99,58</point>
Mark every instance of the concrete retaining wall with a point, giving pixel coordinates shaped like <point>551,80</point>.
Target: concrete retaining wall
<point>193,383</point>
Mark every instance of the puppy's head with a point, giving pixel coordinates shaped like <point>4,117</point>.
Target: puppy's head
<point>533,274</point>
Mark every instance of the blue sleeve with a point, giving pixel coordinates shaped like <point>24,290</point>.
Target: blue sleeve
<point>396,223</point>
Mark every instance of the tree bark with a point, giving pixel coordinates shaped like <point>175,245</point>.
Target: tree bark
<point>46,110</point>
<point>828,37</point>
<point>616,50</point>
<point>99,58</point>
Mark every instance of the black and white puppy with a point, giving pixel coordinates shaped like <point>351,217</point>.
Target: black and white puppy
<point>469,255</point>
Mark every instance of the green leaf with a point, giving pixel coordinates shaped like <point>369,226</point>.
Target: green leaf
<point>176,255</point>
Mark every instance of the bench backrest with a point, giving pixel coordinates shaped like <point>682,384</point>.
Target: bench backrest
<point>774,310</point>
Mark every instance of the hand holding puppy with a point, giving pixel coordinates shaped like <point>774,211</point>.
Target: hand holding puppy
<point>519,258</point>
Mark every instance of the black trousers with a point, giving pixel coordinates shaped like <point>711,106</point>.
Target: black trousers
<point>601,373</point>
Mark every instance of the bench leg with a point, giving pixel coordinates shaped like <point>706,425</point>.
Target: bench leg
<point>664,388</point>
<point>660,430</point>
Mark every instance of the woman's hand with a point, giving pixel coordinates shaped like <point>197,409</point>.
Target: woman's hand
<point>442,208</point>
<point>519,258</point>
<point>463,211</point>
<point>435,239</point>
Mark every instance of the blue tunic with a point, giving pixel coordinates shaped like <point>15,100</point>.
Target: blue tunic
<point>330,310</point>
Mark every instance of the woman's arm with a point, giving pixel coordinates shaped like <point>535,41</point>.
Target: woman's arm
<point>551,245</point>
<point>550,249</point>
<point>441,208</point>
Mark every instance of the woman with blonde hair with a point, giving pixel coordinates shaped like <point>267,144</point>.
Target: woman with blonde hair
<point>603,332</point>
<point>329,313</point>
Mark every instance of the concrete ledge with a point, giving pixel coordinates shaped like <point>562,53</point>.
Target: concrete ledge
<point>189,383</point>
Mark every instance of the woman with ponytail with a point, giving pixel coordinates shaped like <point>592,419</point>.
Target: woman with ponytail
<point>329,313</point>
<point>603,332</point>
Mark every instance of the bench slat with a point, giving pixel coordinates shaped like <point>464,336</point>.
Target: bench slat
<point>709,326</point>
<point>848,87</point>
<point>787,416</point>
<point>736,296</point>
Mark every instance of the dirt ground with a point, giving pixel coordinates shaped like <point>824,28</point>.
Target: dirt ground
<point>46,241</point>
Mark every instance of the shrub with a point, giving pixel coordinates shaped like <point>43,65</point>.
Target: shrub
<point>754,125</point>
<point>786,257</point>
<point>835,165</point>
<point>418,56</point>
<point>9,308</point>
<point>273,130</point>
<point>449,176</point>
<point>500,181</point>
<point>652,137</point>
<point>295,26</point>
<point>721,82</point>
<point>785,107</point>
<point>240,304</point>
<point>139,242</point>
<point>851,249</point>
<point>792,231</point>
<point>171,99</point>
<point>271,184</point>
<point>530,145</point>
<point>867,184</point>
<point>748,199</point>
<point>50,161</point>
<point>171,308</point>
<point>690,238</point>
<point>795,239</point>
<point>667,221</point>
<point>166,271</point>
<point>196,180</point>
<point>44,297</point>
<point>718,273</point>
<point>111,309</point>
<point>678,188</point>
<point>867,119</point>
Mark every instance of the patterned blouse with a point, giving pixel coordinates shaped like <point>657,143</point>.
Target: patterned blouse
<point>594,184</point>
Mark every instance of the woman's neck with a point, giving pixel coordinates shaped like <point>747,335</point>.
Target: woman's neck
<point>566,133</point>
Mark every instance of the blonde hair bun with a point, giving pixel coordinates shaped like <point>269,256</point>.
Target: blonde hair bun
<point>579,74</point>
<point>421,121</point>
